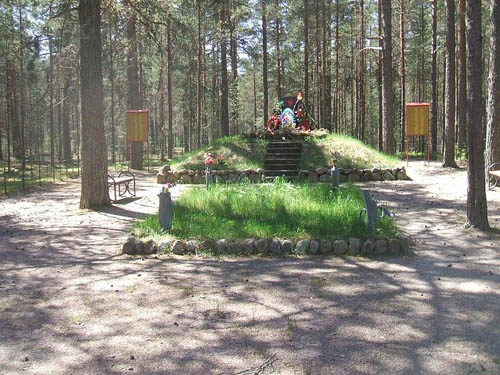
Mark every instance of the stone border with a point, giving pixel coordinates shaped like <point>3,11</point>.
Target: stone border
<point>188,176</point>
<point>270,247</point>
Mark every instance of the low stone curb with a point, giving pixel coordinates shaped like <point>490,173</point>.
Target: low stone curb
<point>270,247</point>
<point>189,176</point>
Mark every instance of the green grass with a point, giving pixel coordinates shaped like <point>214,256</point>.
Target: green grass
<point>240,153</point>
<point>12,181</point>
<point>350,153</point>
<point>276,210</point>
<point>237,153</point>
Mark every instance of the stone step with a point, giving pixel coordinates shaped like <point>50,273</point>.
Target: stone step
<point>280,155</point>
<point>281,161</point>
<point>284,151</point>
<point>283,144</point>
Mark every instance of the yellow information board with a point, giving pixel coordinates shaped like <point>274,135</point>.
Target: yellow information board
<point>417,119</point>
<point>417,125</point>
<point>137,125</point>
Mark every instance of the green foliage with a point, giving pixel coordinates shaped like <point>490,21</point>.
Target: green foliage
<point>317,152</point>
<point>275,210</point>
<point>237,153</point>
<point>350,153</point>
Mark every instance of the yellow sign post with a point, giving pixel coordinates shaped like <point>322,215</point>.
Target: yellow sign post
<point>137,125</point>
<point>137,128</point>
<point>417,124</point>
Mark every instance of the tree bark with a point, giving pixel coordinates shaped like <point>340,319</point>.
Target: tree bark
<point>493,122</point>
<point>379,81</point>
<point>306,50</point>
<point>477,210</point>
<point>112,83</point>
<point>94,178</point>
<point>134,93</point>
<point>233,43</point>
<point>434,94</point>
<point>66,120</point>
<point>324,109</point>
<point>362,69</point>
<point>224,81</point>
<point>199,82</point>
<point>337,79</point>
<point>403,73</point>
<point>461,81</point>
<point>449,125</point>
<point>264,61</point>
<point>170,141</point>
<point>278,56</point>
<point>387,101</point>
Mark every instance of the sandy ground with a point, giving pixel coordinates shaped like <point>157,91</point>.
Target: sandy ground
<point>70,305</point>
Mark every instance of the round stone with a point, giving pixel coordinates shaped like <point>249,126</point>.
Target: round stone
<point>302,246</point>
<point>340,247</point>
<point>380,247</point>
<point>313,247</point>
<point>286,246</point>
<point>325,246</point>
<point>354,245</point>
<point>367,247</point>
<point>394,246</point>
<point>275,247</point>
<point>178,247</point>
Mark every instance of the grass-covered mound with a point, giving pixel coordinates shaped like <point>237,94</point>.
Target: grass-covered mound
<point>237,153</point>
<point>240,153</point>
<point>350,153</point>
<point>283,210</point>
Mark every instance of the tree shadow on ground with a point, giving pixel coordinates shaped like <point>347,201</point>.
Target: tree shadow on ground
<point>71,308</point>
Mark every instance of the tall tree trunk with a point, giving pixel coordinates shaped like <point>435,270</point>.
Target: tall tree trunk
<point>324,90</point>
<point>161,110</point>
<point>337,79</point>
<point>224,81</point>
<point>477,209</point>
<point>21,90</point>
<point>403,73</point>
<point>233,42</point>
<point>434,94</point>
<point>362,68</point>
<point>14,110</point>
<point>317,69</point>
<point>493,122</point>
<point>449,126</point>
<point>94,179</point>
<point>461,81</point>
<point>379,81</point>
<point>306,51</point>
<point>134,93</point>
<point>199,82</point>
<point>264,61</point>
<point>254,98</point>
<point>278,56</point>
<point>112,82</point>
<point>170,141</point>
<point>51,102</point>
<point>66,120</point>
<point>387,102</point>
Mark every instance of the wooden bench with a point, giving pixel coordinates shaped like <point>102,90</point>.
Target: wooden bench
<point>493,175</point>
<point>125,178</point>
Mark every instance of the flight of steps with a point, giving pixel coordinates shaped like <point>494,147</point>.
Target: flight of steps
<point>282,159</point>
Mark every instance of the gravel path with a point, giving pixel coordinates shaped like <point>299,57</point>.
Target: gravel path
<point>70,305</point>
